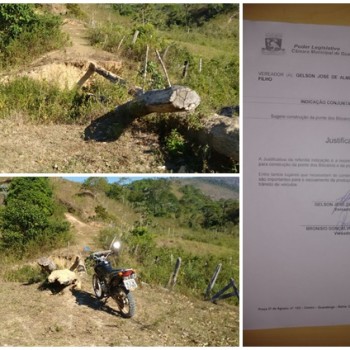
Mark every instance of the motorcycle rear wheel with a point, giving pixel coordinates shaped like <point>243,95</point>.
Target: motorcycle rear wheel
<point>125,301</point>
<point>97,287</point>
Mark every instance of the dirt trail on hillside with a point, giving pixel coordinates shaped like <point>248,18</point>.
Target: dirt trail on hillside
<point>84,233</point>
<point>29,148</point>
<point>31,317</point>
<point>80,48</point>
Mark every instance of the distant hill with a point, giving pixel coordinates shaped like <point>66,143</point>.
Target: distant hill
<point>214,187</point>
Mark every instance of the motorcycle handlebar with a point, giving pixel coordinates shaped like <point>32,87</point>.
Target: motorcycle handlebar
<point>103,252</point>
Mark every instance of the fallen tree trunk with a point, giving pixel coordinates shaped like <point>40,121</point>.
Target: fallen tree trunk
<point>64,278</point>
<point>173,99</point>
<point>170,100</point>
<point>113,78</point>
<point>220,133</point>
<point>58,279</point>
<point>94,68</point>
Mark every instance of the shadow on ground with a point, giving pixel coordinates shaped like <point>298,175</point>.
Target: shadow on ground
<point>104,129</point>
<point>87,299</point>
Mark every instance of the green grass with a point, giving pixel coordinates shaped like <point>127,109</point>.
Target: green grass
<point>213,40</point>
<point>24,274</point>
<point>216,43</point>
<point>154,254</point>
<point>43,102</point>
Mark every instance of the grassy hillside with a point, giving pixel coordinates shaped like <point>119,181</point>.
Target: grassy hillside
<point>191,33</point>
<point>152,240</point>
<point>214,187</point>
<point>149,233</point>
<point>46,50</point>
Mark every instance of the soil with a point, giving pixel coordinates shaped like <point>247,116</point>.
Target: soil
<point>33,317</point>
<point>61,148</point>
<point>30,317</point>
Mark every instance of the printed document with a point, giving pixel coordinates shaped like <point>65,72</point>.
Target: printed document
<point>296,236</point>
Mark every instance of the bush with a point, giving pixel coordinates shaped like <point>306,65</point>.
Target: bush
<point>155,79</point>
<point>108,37</point>
<point>106,236</point>
<point>141,243</point>
<point>75,11</point>
<point>26,35</point>
<point>14,18</point>
<point>175,143</point>
<point>101,213</point>
<point>28,223</point>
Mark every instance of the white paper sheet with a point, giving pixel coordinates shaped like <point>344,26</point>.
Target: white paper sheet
<point>296,224</point>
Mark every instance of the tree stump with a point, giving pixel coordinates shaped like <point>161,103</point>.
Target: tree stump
<point>221,134</point>
<point>46,264</point>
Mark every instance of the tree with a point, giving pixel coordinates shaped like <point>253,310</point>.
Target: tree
<point>154,196</point>
<point>28,216</point>
<point>115,191</point>
<point>96,184</point>
<point>231,211</point>
<point>14,18</point>
<point>32,190</point>
<point>25,34</point>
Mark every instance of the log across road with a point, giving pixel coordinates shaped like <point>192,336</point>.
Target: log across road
<point>173,99</point>
<point>220,133</point>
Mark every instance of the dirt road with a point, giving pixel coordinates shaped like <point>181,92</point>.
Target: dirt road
<point>29,317</point>
<point>33,317</point>
<point>61,149</point>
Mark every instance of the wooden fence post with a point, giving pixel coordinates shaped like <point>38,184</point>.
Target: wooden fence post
<point>145,69</point>
<point>164,69</point>
<point>173,277</point>
<point>212,281</point>
<point>165,52</point>
<point>136,34</point>
<point>185,70</point>
<point>120,43</point>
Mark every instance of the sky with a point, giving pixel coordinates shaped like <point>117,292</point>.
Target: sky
<point>110,179</point>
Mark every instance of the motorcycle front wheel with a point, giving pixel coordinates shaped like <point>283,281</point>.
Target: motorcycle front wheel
<point>97,286</point>
<point>125,301</point>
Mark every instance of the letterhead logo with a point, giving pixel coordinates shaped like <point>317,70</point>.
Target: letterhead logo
<point>273,44</point>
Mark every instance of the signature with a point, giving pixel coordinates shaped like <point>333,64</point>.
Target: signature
<point>342,208</point>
